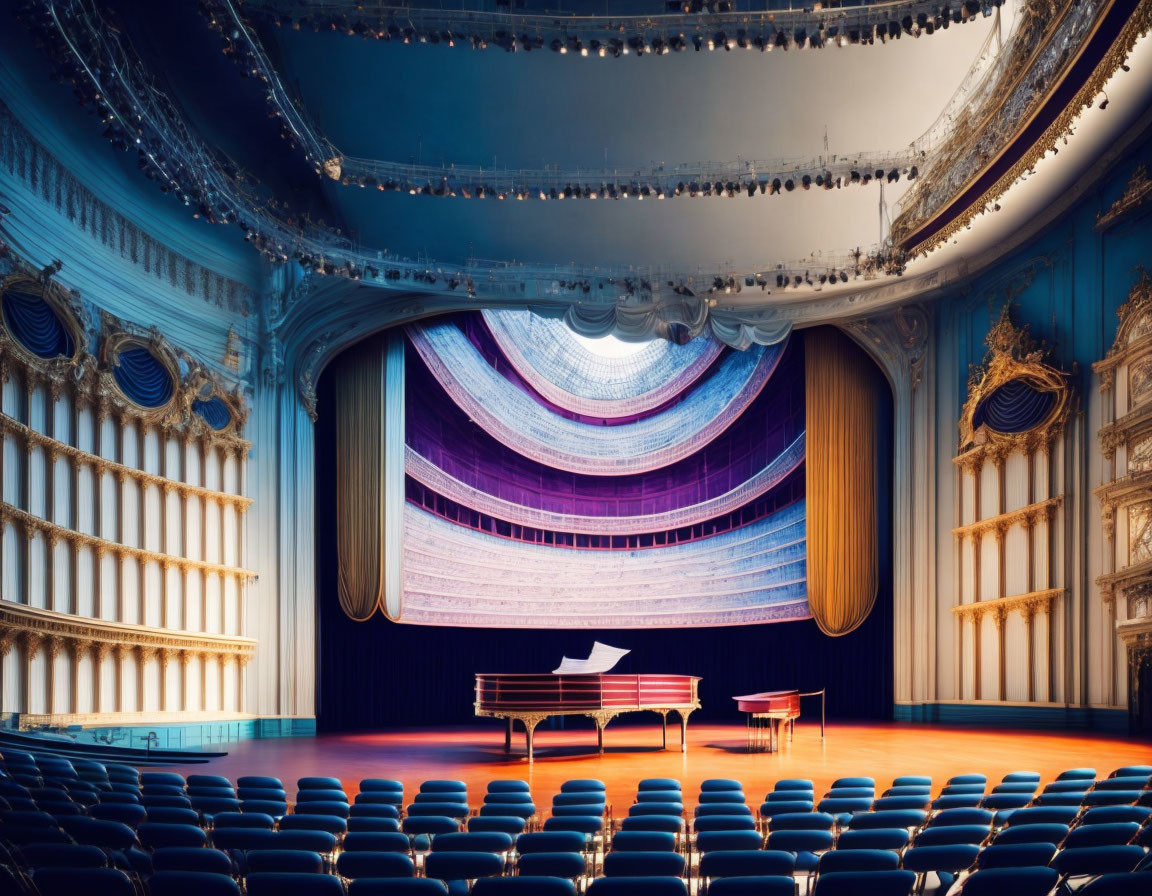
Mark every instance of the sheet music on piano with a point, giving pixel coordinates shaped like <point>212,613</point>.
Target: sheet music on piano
<point>601,659</point>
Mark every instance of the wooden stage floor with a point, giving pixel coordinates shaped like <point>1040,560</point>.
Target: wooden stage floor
<point>475,754</point>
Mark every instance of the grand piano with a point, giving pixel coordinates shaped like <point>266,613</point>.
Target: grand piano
<point>601,697</point>
<point>767,710</point>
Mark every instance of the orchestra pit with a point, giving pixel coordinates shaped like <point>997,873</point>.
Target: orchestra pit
<point>597,448</point>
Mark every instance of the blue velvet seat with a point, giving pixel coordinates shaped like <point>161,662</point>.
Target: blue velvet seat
<point>1077,774</point>
<point>373,810</point>
<point>968,816</point>
<point>243,820</point>
<point>1032,833</point>
<point>873,838</point>
<point>1016,787</point>
<point>376,841</point>
<point>1111,797</point>
<point>259,781</point>
<point>808,821</point>
<point>1010,882</point>
<point>856,781</point>
<point>789,796</point>
<point>1116,884</point>
<point>659,784</point>
<point>508,824</point>
<point>582,785</point>
<point>785,807</point>
<point>1068,785</point>
<point>212,805</point>
<point>1040,815</point>
<point>105,834</point>
<point>659,796</point>
<point>805,845</point>
<point>275,808</point>
<point>865,883</point>
<point>569,865</point>
<point>924,790</point>
<point>915,802</point>
<point>319,783</point>
<point>450,810</point>
<point>711,841</point>
<point>726,823</point>
<point>887,818</point>
<point>638,886</point>
<point>154,835</point>
<point>531,885</point>
<point>793,784</point>
<point>70,881</point>
<point>61,855</point>
<point>261,793</point>
<point>381,784</point>
<point>131,814</point>
<point>844,807</point>
<point>579,798</point>
<point>586,824</point>
<point>836,861</point>
<point>192,883</point>
<point>207,781</point>
<point>396,886</point>
<point>643,864</point>
<point>1015,855</point>
<point>327,809</point>
<point>319,794</point>
<point>323,842</point>
<point>722,809</point>
<point>333,824</point>
<point>1111,814</point>
<point>1124,782</point>
<point>550,841</point>
<point>506,785</point>
<point>945,861</point>
<point>1110,834</point>
<point>191,858</point>
<point>947,835</point>
<point>746,863</point>
<point>671,823</point>
<point>655,809</point>
<point>958,800</point>
<point>462,866</point>
<point>173,815</point>
<point>294,861</point>
<point>476,841</point>
<point>174,779</point>
<point>912,781</point>
<point>243,839</point>
<point>507,796</point>
<point>851,793</point>
<point>382,797</point>
<point>523,810</point>
<point>1085,860</point>
<point>356,864</point>
<point>998,801</point>
<point>762,885</point>
<point>279,883</point>
<point>644,841</point>
<point>722,796</point>
<point>366,823</point>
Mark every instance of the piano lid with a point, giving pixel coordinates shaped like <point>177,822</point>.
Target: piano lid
<point>601,659</point>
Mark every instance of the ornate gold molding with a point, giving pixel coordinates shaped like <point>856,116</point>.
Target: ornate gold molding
<point>1012,355</point>
<point>1128,577</point>
<point>30,523</point>
<point>1026,516</point>
<point>966,133</point>
<point>67,308</point>
<point>1125,490</point>
<point>61,449</point>
<point>1027,604</point>
<point>34,721</point>
<point>1138,191</point>
<point>1134,312</point>
<point>24,621</point>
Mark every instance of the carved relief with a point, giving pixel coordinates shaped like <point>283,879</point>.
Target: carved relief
<point>1013,356</point>
<point>1138,191</point>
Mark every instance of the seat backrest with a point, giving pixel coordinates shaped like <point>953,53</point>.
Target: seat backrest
<point>865,883</point>
<point>62,855</point>
<point>643,864</point>
<point>550,841</point>
<point>192,883</point>
<point>473,841</point>
<point>746,863</point>
<point>462,865</point>
<point>527,884</point>
<point>375,864</point>
<point>191,858</point>
<point>873,838</point>
<point>319,783</point>
<point>373,841</point>
<point>295,861</point>
<point>279,883</point>
<point>397,886</point>
<point>1033,833</point>
<point>638,886</point>
<point>1010,882</point>
<point>858,860</point>
<point>1015,855</point>
<point>70,881</point>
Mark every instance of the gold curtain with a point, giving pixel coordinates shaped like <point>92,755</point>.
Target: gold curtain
<point>841,402</point>
<point>360,417</point>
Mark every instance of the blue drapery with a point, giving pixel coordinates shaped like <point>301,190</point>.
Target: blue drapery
<point>142,377</point>
<point>214,411</point>
<point>1017,406</point>
<point>35,325</point>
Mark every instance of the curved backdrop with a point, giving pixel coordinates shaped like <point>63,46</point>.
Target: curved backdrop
<point>686,508</point>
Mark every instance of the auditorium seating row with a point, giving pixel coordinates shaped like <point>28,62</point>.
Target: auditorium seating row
<point>69,826</point>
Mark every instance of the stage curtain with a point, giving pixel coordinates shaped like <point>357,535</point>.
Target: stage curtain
<point>842,403</point>
<point>360,508</point>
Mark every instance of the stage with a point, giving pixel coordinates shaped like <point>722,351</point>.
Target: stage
<point>475,754</point>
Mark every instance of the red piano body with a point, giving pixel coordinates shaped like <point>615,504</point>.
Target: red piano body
<point>601,697</point>
<point>767,710</point>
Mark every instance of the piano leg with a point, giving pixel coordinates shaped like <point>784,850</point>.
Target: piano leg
<point>508,737</point>
<point>664,729</point>
<point>684,713</point>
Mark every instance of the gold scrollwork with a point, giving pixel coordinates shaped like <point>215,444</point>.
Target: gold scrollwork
<point>1031,603</point>
<point>1138,191</point>
<point>1013,355</point>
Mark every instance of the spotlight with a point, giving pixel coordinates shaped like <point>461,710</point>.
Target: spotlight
<point>789,186</point>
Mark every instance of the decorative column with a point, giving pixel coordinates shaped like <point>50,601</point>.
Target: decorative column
<point>79,648</point>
